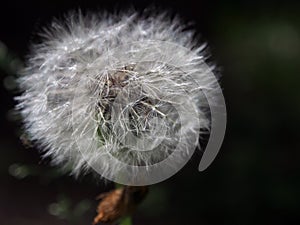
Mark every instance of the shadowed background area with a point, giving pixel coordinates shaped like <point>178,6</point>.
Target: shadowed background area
<point>255,177</point>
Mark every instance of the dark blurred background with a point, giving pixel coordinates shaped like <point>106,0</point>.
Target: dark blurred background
<point>255,179</point>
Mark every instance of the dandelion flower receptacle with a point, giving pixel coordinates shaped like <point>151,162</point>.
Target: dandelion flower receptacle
<point>119,94</point>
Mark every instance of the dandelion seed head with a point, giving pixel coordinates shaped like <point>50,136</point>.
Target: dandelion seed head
<point>120,86</point>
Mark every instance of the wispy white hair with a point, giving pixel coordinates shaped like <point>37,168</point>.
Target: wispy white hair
<point>89,67</point>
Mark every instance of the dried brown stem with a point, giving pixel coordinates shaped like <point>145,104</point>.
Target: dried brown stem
<point>118,203</point>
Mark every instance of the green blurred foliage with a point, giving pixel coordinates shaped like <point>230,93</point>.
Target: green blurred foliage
<point>66,210</point>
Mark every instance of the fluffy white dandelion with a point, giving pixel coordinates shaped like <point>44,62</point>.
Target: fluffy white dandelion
<point>120,94</point>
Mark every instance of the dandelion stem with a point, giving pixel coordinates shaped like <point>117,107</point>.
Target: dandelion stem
<point>126,221</point>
